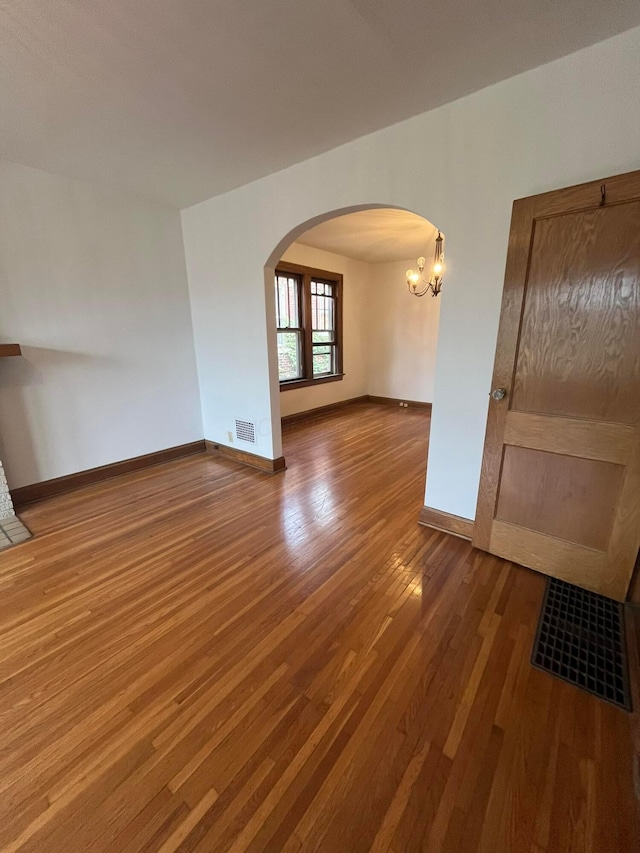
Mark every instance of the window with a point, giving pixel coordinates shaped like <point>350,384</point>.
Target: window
<point>289,323</point>
<point>309,328</point>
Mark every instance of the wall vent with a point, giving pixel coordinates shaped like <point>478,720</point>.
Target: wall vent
<point>246,431</point>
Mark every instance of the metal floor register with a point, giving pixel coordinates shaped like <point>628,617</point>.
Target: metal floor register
<point>581,639</point>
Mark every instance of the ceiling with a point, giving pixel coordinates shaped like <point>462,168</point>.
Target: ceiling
<point>376,236</point>
<point>180,100</point>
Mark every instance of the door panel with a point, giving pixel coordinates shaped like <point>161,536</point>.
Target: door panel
<point>579,352</point>
<point>560,483</point>
<point>565,496</point>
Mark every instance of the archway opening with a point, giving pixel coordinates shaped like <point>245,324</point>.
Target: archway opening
<point>343,325</point>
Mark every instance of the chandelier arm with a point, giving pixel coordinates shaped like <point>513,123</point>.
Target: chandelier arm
<point>422,292</point>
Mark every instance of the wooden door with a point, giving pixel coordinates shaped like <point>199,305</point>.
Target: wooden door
<point>560,483</point>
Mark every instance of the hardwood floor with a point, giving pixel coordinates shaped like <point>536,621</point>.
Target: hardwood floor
<point>202,657</point>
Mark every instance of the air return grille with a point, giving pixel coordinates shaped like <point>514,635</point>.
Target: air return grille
<point>246,431</point>
<point>581,640</point>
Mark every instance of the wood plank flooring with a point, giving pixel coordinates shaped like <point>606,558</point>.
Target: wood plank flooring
<point>202,657</point>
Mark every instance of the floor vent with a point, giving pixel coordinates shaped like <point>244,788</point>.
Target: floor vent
<point>581,639</point>
<point>246,431</point>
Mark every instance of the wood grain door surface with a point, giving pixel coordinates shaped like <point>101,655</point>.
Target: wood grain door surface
<point>560,483</point>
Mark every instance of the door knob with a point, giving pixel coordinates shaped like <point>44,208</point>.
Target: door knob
<point>499,393</point>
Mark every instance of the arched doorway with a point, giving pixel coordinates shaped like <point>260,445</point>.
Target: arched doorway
<point>386,337</point>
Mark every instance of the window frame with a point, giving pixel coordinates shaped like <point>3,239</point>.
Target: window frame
<point>306,275</point>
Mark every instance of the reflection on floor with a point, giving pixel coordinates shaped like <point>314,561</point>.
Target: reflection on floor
<point>203,657</point>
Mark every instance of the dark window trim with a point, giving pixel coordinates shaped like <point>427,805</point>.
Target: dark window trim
<point>288,384</point>
<point>307,274</point>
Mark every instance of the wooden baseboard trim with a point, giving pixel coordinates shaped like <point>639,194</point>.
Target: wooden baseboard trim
<point>446,522</point>
<point>57,486</point>
<point>393,401</point>
<point>48,488</point>
<point>310,414</point>
<point>270,466</point>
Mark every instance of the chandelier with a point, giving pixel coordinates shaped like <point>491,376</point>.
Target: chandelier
<point>416,282</point>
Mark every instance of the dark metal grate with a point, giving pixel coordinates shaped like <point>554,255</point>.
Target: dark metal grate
<point>581,639</point>
<point>246,431</point>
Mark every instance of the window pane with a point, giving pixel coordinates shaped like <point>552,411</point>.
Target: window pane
<point>287,302</point>
<point>289,356</point>
<point>323,288</point>
<point>323,361</point>
<point>322,313</point>
<point>322,337</point>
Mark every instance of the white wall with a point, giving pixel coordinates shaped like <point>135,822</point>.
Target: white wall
<point>356,283</point>
<point>403,334</point>
<point>459,166</point>
<point>93,285</point>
